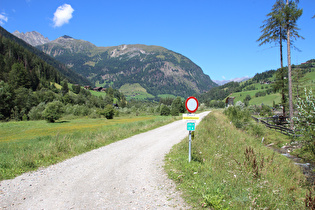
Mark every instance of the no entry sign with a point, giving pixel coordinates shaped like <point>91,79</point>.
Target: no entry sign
<point>191,104</point>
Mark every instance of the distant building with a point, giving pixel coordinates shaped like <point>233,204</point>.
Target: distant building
<point>98,89</point>
<point>87,87</point>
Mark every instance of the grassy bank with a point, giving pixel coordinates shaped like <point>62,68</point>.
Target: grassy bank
<point>231,169</point>
<point>26,146</point>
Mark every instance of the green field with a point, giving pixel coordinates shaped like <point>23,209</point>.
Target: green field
<point>96,93</point>
<point>27,145</point>
<point>267,100</point>
<point>166,96</point>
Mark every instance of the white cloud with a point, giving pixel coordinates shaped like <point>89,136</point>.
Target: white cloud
<point>3,18</point>
<point>62,15</point>
<point>223,77</point>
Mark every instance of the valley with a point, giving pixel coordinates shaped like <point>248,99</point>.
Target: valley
<point>141,88</point>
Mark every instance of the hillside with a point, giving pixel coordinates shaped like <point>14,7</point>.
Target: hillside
<point>261,88</point>
<point>156,69</point>
<point>32,89</point>
<point>72,76</point>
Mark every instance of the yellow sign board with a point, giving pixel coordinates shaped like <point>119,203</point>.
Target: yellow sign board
<point>190,117</point>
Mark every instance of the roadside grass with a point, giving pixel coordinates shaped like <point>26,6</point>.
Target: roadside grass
<point>26,146</point>
<point>232,169</point>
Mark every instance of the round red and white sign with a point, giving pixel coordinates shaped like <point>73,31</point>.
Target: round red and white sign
<point>191,104</point>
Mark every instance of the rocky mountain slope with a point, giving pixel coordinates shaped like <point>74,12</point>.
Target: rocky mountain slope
<point>157,69</point>
<point>33,38</point>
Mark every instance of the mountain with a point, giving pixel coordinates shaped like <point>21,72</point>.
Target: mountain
<point>222,82</point>
<point>33,38</point>
<point>72,76</point>
<point>156,69</point>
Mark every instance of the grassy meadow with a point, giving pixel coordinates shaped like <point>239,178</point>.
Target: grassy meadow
<point>28,145</point>
<point>232,169</point>
<point>135,91</point>
<point>267,100</point>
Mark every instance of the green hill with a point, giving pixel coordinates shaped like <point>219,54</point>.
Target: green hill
<point>261,87</point>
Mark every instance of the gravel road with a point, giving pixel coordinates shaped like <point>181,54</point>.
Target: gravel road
<point>127,174</point>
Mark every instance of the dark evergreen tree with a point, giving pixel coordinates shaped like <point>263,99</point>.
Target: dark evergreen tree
<point>6,100</point>
<point>65,87</point>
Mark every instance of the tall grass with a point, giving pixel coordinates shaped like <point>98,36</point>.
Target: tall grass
<point>27,146</point>
<point>231,169</point>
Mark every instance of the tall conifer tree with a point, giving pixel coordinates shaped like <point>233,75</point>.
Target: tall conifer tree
<point>291,15</point>
<point>281,25</point>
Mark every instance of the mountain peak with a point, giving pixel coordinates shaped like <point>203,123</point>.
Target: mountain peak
<point>33,38</point>
<point>67,37</point>
<point>222,82</point>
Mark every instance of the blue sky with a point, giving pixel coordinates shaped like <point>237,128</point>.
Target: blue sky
<point>219,36</point>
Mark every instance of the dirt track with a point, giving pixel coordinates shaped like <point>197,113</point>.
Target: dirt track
<point>124,175</point>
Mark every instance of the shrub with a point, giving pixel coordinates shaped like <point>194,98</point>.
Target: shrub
<point>36,112</point>
<point>174,111</point>
<point>265,111</point>
<point>53,111</point>
<point>260,94</point>
<point>165,111</point>
<point>305,121</point>
<point>238,116</point>
<point>240,104</point>
<point>109,111</point>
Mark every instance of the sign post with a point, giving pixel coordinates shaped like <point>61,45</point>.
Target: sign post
<point>191,105</point>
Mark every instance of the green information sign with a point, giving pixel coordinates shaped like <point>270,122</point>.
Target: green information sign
<point>191,126</point>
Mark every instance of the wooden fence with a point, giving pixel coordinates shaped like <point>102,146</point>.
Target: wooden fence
<point>282,129</point>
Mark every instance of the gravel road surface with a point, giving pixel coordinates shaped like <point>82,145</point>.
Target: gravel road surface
<point>127,174</point>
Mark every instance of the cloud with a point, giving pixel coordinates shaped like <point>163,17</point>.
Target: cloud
<point>3,18</point>
<point>223,77</point>
<point>62,15</point>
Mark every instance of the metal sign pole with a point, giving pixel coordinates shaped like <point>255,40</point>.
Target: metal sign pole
<point>191,105</point>
<point>189,153</point>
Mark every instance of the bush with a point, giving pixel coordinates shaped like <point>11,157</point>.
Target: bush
<point>305,121</point>
<point>36,112</point>
<point>238,116</point>
<point>53,111</point>
<point>260,94</point>
<point>174,111</point>
<point>265,111</point>
<point>240,104</point>
<point>165,111</point>
<point>109,111</point>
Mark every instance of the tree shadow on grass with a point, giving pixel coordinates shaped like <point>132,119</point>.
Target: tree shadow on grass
<point>62,121</point>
